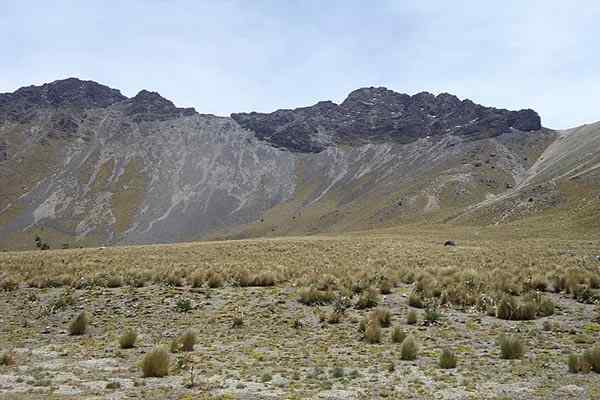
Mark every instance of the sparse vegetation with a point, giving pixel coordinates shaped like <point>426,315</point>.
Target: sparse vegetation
<point>332,275</point>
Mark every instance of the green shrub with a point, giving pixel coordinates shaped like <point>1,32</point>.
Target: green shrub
<point>511,347</point>
<point>368,299</point>
<point>411,318</point>
<point>312,297</point>
<point>398,335</point>
<point>188,340</point>
<point>545,307</point>
<point>415,300</point>
<point>156,363</point>
<point>183,305</point>
<point>373,332</point>
<point>79,325</point>
<point>432,315</point>
<point>409,349</point>
<point>447,359</point>
<point>127,339</point>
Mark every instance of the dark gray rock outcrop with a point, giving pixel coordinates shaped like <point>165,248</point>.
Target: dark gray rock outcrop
<point>379,114</point>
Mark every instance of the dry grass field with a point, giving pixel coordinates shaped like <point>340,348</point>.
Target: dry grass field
<point>388,314</point>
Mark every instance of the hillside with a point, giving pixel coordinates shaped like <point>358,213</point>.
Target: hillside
<point>81,164</point>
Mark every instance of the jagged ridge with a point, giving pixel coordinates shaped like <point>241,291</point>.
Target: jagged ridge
<point>380,114</point>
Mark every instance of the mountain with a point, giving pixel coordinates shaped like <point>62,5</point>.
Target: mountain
<point>81,164</point>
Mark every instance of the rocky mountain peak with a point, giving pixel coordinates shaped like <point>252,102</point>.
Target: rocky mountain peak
<point>380,114</point>
<point>151,106</point>
<point>72,92</point>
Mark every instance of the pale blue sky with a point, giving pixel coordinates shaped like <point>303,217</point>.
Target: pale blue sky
<point>232,56</point>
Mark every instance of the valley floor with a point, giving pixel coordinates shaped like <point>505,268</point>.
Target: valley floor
<point>256,340</point>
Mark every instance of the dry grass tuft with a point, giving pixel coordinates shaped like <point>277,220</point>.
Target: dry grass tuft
<point>188,340</point>
<point>8,359</point>
<point>127,339</point>
<point>368,299</point>
<point>511,347</point>
<point>312,297</point>
<point>411,317</point>
<point>398,335</point>
<point>383,316</point>
<point>79,325</point>
<point>373,332</point>
<point>156,363</point>
<point>447,359</point>
<point>409,348</point>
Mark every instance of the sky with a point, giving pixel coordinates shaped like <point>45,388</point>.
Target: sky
<point>225,56</point>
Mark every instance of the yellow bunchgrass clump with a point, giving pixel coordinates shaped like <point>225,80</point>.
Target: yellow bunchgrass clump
<point>127,339</point>
<point>156,363</point>
<point>409,348</point>
<point>373,332</point>
<point>188,340</point>
<point>79,325</point>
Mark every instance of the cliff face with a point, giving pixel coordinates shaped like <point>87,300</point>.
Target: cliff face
<point>82,164</point>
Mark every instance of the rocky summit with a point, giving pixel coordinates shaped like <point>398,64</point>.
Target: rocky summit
<point>81,164</point>
<point>380,114</point>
